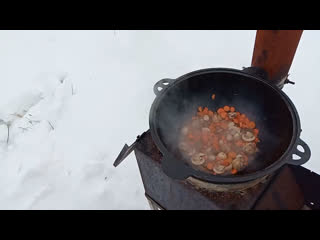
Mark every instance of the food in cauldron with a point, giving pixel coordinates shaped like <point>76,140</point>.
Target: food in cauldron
<point>222,142</point>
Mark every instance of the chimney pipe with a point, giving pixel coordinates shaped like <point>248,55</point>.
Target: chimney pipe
<point>274,51</point>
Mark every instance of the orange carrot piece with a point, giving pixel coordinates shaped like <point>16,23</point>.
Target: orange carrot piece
<point>220,110</point>
<point>226,108</point>
<point>232,155</point>
<point>239,143</point>
<point>232,109</point>
<point>252,125</point>
<point>225,163</point>
<point>210,166</point>
<point>224,126</point>
<point>223,114</point>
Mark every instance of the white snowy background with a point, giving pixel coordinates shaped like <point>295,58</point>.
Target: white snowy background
<point>73,99</point>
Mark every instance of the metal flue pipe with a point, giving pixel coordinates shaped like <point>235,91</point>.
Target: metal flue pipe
<point>274,51</point>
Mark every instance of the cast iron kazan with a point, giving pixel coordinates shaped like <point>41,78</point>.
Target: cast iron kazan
<point>272,110</point>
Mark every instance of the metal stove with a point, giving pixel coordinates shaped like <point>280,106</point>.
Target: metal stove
<point>288,189</point>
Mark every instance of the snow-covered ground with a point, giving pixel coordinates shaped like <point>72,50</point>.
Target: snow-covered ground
<point>73,99</point>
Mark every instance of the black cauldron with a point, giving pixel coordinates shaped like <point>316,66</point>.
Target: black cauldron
<point>266,104</point>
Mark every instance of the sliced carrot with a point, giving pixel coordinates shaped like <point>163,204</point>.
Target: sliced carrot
<point>226,108</point>
<point>225,163</point>
<point>213,96</point>
<point>232,109</point>
<point>210,166</point>
<point>234,171</point>
<point>232,155</point>
<point>190,136</point>
<point>200,109</point>
<point>239,143</point>
<point>243,116</point>
<point>223,114</point>
<point>205,139</point>
<point>216,143</point>
<point>224,126</point>
<point>216,146</point>
<point>252,125</point>
<point>220,110</point>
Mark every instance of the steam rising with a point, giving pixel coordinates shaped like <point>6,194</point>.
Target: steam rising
<point>179,106</point>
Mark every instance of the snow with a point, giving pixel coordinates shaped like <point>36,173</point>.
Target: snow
<point>79,96</point>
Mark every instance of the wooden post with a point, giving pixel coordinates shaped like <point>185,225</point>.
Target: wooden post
<point>274,51</point>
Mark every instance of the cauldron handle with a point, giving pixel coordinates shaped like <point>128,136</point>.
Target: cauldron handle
<point>161,85</point>
<point>304,156</point>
